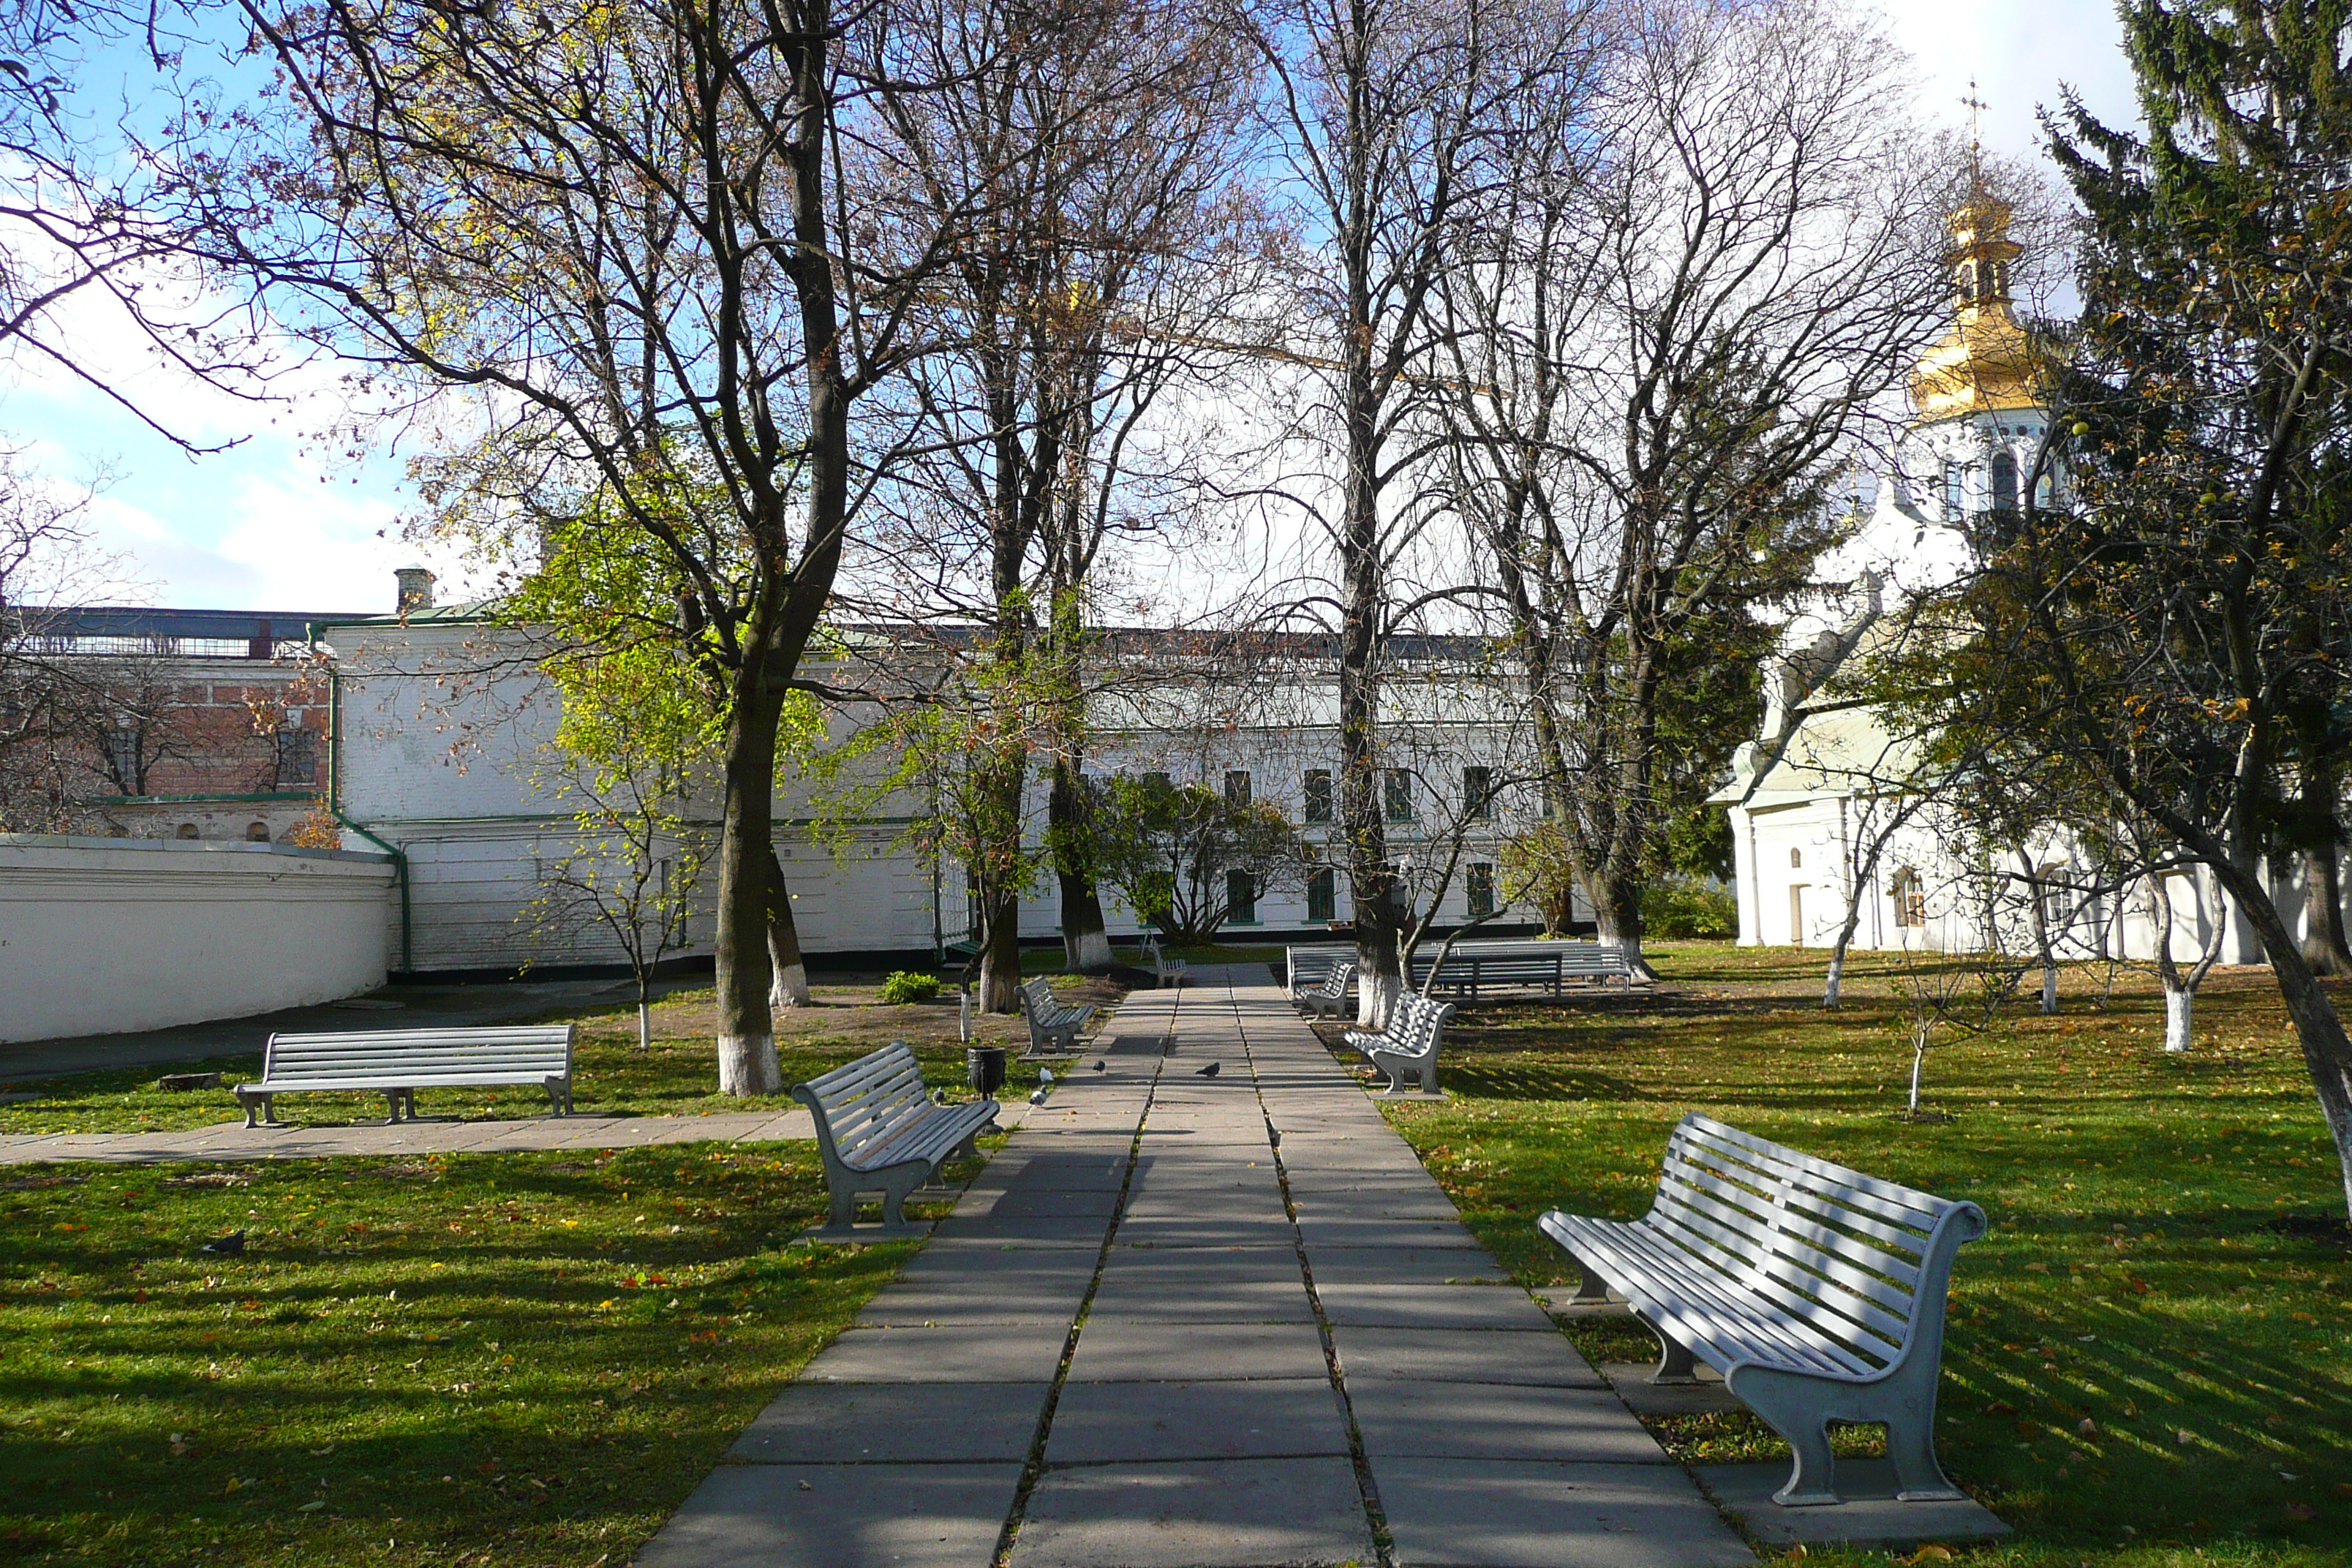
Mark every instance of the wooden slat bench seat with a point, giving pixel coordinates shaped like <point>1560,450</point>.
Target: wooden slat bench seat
<point>1053,1025</point>
<point>879,1131</point>
<point>397,1063</point>
<point>1408,1047</point>
<point>1816,1290</point>
<point>1328,997</point>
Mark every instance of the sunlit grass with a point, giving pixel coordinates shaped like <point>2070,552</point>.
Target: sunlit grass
<point>2159,1265</point>
<point>515,1359</point>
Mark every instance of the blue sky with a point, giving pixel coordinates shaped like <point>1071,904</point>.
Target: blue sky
<point>284,522</point>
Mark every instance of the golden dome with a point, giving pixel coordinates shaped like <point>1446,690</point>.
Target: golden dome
<point>1986,361</point>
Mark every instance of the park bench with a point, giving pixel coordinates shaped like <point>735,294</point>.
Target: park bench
<point>1053,1025</point>
<point>879,1131</point>
<point>1332,994</point>
<point>1163,968</point>
<point>1816,1290</point>
<point>1409,1045</point>
<point>1550,966</point>
<point>1304,967</point>
<point>397,1063</point>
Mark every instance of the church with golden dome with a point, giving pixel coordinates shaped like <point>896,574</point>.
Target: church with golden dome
<point>1830,827</point>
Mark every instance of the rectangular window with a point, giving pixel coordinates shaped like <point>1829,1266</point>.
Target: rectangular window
<point>1238,788</point>
<point>1319,795</point>
<point>1481,889</point>
<point>1158,780</point>
<point>1478,794</point>
<point>1323,897</point>
<point>1397,794</point>
<point>1954,491</point>
<point>1241,898</point>
<point>297,757</point>
<point>1910,899</point>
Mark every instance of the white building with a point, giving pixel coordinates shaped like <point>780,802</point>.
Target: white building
<point>440,753</point>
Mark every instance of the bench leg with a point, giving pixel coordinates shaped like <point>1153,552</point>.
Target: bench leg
<point>1795,1407</point>
<point>392,1107</point>
<point>1590,1289</point>
<point>1676,1362</point>
<point>1911,1444</point>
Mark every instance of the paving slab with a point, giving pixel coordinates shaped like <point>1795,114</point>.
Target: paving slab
<point>1405,1419</point>
<point>1431,1306</point>
<point>1869,1517</point>
<point>1540,1358</point>
<point>952,1352</point>
<point>1029,1204</point>
<point>1383,1230</point>
<point>1098,1423</point>
<point>1188,1232</point>
<point>1079,1229</point>
<point>1113,1349</point>
<point>1230,1300</point>
<point>1232,1513</point>
<point>1501,1513</point>
<point>839,1516</point>
<point>895,1423</point>
<point>1408,1265</point>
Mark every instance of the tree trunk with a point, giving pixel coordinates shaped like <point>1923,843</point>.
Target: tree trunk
<point>1069,828</point>
<point>2180,1013</point>
<point>2326,1053</point>
<point>999,957</point>
<point>788,981</point>
<point>747,1039</point>
<point>644,1022</point>
<point>2322,925</point>
<point>1616,897</point>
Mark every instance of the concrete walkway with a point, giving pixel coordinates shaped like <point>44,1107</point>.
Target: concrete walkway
<point>1185,1321</point>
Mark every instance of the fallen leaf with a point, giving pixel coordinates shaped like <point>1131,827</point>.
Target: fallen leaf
<point>2086,1428</point>
<point>312,1507</point>
<point>2000,1408</point>
<point>1931,1552</point>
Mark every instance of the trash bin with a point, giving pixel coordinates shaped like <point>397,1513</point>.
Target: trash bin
<point>983,1069</point>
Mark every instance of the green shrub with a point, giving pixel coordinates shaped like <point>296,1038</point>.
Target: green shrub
<point>1686,907</point>
<point>905,986</point>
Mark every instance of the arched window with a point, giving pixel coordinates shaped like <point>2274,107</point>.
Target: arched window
<point>256,833</point>
<point>1796,859</point>
<point>188,830</point>
<point>2004,482</point>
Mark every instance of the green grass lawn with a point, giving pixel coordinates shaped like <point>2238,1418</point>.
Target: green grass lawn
<point>2150,1355</point>
<point>516,1359</point>
<point>677,1076</point>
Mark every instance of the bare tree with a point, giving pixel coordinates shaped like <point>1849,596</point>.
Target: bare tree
<point>1686,307</point>
<point>1384,117</point>
<point>621,233</point>
<point>1106,145</point>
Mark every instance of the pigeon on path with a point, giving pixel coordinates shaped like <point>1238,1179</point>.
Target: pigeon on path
<point>1038,1097</point>
<point>1099,1065</point>
<point>225,1245</point>
<point>1209,1072</point>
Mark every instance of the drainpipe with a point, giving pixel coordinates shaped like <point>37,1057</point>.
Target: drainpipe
<point>399,860</point>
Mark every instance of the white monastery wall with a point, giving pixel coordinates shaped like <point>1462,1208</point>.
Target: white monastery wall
<point>101,936</point>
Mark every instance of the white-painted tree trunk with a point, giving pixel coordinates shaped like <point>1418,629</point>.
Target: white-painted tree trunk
<point>2180,1008</point>
<point>787,984</point>
<point>645,1024</point>
<point>1835,984</point>
<point>2049,987</point>
<point>747,1064</point>
<point>1376,997</point>
<point>1088,951</point>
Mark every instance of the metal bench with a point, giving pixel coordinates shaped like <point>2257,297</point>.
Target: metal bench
<point>1816,1290</point>
<point>1408,1047</point>
<point>878,1131</point>
<point>1305,967</point>
<point>1053,1027</point>
<point>397,1063</point>
<point>1163,968</point>
<point>1329,996</point>
<point>1552,967</point>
